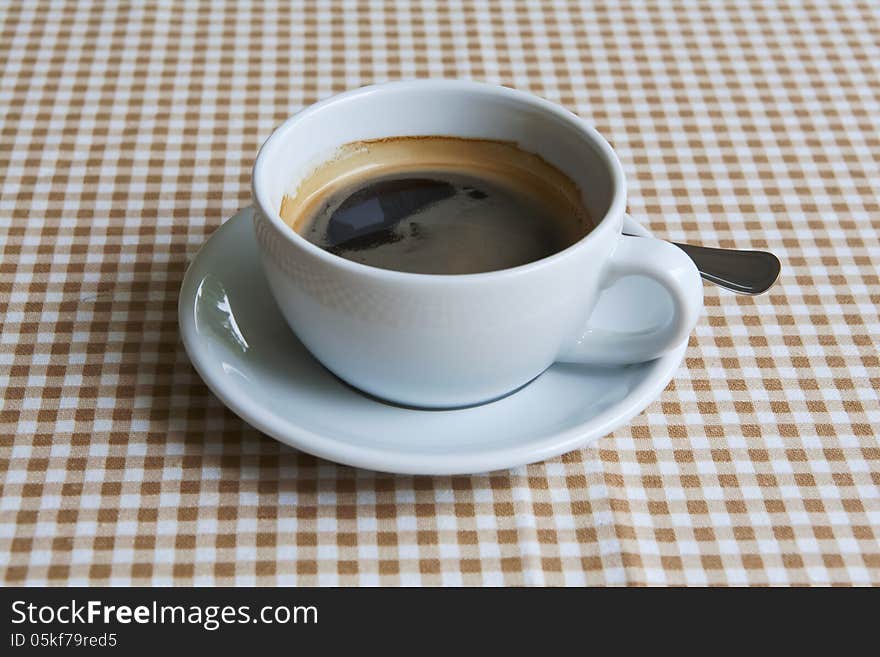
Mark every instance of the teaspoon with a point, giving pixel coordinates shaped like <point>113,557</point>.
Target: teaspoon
<point>743,272</point>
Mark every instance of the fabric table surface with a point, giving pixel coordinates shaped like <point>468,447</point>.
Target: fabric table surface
<point>128,133</point>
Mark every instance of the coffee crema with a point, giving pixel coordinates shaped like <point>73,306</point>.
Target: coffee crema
<point>437,205</point>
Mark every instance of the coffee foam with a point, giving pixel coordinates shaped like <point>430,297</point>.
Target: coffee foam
<point>502,162</point>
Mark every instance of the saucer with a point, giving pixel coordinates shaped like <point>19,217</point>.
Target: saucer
<point>241,346</point>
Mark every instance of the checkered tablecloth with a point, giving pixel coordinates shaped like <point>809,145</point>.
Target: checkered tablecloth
<point>128,132</point>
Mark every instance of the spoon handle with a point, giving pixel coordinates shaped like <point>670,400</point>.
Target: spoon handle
<point>743,272</point>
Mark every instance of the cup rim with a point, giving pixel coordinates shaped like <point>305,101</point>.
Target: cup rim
<point>606,224</point>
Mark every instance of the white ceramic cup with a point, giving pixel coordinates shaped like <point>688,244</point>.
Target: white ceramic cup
<point>443,341</point>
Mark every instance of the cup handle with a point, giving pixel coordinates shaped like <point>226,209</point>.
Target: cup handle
<point>675,271</point>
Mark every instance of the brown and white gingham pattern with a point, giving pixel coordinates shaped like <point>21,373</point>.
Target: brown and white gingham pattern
<point>128,132</point>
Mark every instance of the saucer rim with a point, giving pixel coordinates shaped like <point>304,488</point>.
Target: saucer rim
<point>286,430</point>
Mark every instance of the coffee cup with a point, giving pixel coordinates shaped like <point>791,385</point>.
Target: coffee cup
<point>444,341</point>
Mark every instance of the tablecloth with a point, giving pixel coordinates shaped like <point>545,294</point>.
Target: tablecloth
<point>128,132</point>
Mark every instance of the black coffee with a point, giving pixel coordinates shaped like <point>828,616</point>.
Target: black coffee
<point>444,220</point>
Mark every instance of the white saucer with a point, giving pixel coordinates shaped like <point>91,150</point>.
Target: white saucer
<point>243,349</point>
